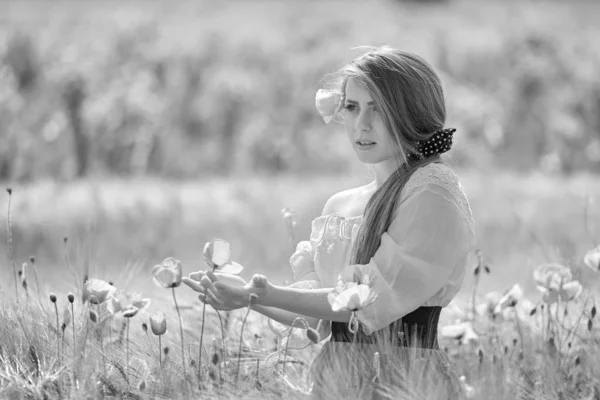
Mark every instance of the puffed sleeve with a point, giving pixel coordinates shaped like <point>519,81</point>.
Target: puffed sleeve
<point>305,277</point>
<point>421,259</point>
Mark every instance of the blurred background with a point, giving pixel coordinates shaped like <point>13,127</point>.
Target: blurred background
<point>140,130</point>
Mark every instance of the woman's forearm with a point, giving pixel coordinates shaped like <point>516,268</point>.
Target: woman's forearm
<point>309,302</point>
<point>283,316</point>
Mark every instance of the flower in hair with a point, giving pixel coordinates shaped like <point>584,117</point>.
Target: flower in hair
<point>328,103</point>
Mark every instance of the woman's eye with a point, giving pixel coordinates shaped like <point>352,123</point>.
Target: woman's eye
<point>350,107</point>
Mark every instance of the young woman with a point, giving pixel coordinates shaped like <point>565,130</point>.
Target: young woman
<point>407,235</point>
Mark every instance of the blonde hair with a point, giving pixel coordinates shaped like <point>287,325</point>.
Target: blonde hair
<point>409,95</point>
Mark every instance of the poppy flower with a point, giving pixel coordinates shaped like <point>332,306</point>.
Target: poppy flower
<point>158,324</point>
<point>168,273</point>
<point>127,304</point>
<point>96,291</point>
<point>592,259</point>
<point>217,254</point>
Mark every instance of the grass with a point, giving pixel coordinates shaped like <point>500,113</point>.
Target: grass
<point>119,229</point>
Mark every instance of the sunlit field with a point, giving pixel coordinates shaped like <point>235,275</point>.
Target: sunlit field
<point>200,126</point>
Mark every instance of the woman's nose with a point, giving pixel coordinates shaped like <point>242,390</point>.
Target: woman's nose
<point>363,122</point>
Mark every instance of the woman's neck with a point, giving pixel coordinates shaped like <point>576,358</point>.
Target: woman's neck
<point>384,170</point>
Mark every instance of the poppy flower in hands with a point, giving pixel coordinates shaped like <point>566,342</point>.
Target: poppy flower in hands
<point>127,304</point>
<point>328,103</point>
<point>168,273</point>
<point>357,294</point>
<point>96,291</point>
<point>217,254</point>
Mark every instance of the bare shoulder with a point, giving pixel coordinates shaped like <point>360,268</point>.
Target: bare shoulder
<point>347,202</point>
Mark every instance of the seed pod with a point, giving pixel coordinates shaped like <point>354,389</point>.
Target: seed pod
<point>215,358</point>
<point>71,298</point>
<point>63,327</point>
<point>53,297</point>
<point>142,385</point>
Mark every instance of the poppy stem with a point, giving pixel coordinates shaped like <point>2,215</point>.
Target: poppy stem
<point>57,334</point>
<point>181,334</point>
<point>10,247</point>
<point>200,347</point>
<point>160,351</point>
<point>127,354</point>
<point>74,344</point>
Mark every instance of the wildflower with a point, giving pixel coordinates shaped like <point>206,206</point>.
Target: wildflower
<point>554,281</point>
<point>96,291</point>
<point>158,324</point>
<point>509,299</point>
<point>462,331</point>
<point>468,389</point>
<point>217,254</point>
<point>127,304</point>
<point>168,273</point>
<point>328,103</point>
<point>489,304</point>
<point>592,259</point>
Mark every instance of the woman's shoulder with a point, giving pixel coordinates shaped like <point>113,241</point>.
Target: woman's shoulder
<point>436,174</point>
<point>347,202</point>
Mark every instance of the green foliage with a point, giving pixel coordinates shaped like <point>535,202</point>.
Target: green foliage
<point>186,89</point>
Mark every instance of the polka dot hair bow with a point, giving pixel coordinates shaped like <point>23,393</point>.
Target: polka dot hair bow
<point>439,143</point>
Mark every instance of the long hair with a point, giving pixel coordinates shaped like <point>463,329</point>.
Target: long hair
<point>409,94</point>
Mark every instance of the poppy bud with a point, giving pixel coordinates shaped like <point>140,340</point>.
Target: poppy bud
<point>476,271</point>
<point>142,385</point>
<point>593,311</point>
<point>505,350</point>
<point>589,325</point>
<point>487,269</point>
<point>166,351</point>
<point>215,358</point>
<point>53,297</point>
<point>480,353</point>
<point>65,240</point>
<point>145,327</point>
<point>521,355</point>
<point>515,342</point>
<point>569,344</point>
<point>532,312</point>
<point>32,259</point>
<point>313,335</point>
<point>94,316</point>
<point>577,360</point>
<point>9,190</point>
<point>71,298</point>
<point>63,327</point>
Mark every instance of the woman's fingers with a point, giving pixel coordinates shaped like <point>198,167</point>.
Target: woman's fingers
<point>197,276</point>
<point>211,276</point>
<point>207,283</point>
<point>195,285</point>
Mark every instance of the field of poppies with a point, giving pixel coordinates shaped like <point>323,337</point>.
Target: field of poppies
<point>94,333</point>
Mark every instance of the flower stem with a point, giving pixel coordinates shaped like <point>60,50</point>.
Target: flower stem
<point>160,351</point>
<point>74,345</point>
<point>127,354</point>
<point>57,334</point>
<point>224,361</point>
<point>200,348</point>
<point>10,247</point>
<point>237,371</point>
<point>181,334</point>
<point>287,343</point>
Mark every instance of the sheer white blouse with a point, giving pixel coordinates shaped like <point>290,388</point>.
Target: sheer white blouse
<point>422,257</point>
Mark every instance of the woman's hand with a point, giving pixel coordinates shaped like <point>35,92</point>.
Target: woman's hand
<point>224,291</point>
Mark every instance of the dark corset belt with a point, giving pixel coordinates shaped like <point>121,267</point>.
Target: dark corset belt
<point>417,329</point>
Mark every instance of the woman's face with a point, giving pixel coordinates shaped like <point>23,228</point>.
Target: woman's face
<point>364,125</point>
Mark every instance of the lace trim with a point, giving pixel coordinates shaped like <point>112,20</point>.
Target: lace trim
<point>442,176</point>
